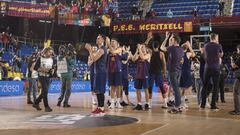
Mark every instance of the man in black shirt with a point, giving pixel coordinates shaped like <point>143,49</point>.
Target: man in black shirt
<point>212,55</point>
<point>157,72</point>
<point>235,62</point>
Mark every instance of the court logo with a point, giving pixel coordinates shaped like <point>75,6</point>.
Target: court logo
<point>65,119</point>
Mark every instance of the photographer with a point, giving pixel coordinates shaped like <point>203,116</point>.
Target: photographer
<point>235,63</point>
<point>223,75</point>
<point>32,76</point>
<point>3,69</point>
<point>65,63</point>
<point>44,66</point>
<point>17,63</point>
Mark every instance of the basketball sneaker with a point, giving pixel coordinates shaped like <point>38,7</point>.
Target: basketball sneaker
<point>138,107</point>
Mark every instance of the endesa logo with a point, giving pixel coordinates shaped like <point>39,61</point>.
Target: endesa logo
<point>77,86</point>
<point>8,88</point>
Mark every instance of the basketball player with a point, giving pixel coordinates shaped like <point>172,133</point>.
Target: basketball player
<point>125,75</point>
<point>99,86</point>
<point>142,58</point>
<point>157,72</point>
<point>92,75</point>
<point>115,73</point>
<point>186,81</point>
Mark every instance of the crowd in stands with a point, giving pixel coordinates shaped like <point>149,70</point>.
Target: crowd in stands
<point>135,9</point>
<point>155,10</point>
<point>88,8</point>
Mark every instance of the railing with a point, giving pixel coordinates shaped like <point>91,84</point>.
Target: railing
<point>38,42</point>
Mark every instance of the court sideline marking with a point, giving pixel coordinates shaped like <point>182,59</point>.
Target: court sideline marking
<point>150,131</point>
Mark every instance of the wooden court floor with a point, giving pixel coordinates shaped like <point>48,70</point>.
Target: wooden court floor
<point>18,118</point>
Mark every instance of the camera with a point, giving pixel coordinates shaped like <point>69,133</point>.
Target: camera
<point>236,58</point>
<point>62,50</point>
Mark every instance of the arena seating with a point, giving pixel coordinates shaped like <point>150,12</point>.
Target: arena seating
<point>236,8</point>
<point>22,1</point>
<point>26,50</point>
<point>183,8</point>
<point>125,6</point>
<point>81,69</point>
<point>180,8</point>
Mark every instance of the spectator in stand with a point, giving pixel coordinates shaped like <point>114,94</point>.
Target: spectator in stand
<point>113,9</point>
<point>1,43</point>
<point>26,34</point>
<point>5,40</point>
<point>151,14</point>
<point>114,5</point>
<point>221,6</point>
<point>1,52</point>
<point>16,64</point>
<point>99,10</point>
<point>60,6</point>
<point>86,8</point>
<point>106,8</point>
<point>170,13</point>
<point>16,46</point>
<point>195,12</point>
<point>4,65</point>
<point>92,10</point>
<point>134,11</point>
<point>94,7</point>
<point>104,3</point>
<point>74,8</point>
<point>3,69</point>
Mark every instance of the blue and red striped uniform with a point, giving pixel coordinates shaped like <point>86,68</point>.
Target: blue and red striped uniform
<point>142,76</point>
<point>114,70</point>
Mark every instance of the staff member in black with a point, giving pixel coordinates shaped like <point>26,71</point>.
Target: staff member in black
<point>44,66</point>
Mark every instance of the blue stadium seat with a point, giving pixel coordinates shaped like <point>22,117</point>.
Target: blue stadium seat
<point>236,8</point>
<point>183,8</point>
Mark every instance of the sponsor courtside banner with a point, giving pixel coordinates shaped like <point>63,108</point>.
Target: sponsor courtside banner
<point>11,88</point>
<point>77,86</point>
<point>29,10</point>
<point>15,88</point>
<point>156,25</point>
<point>83,86</point>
